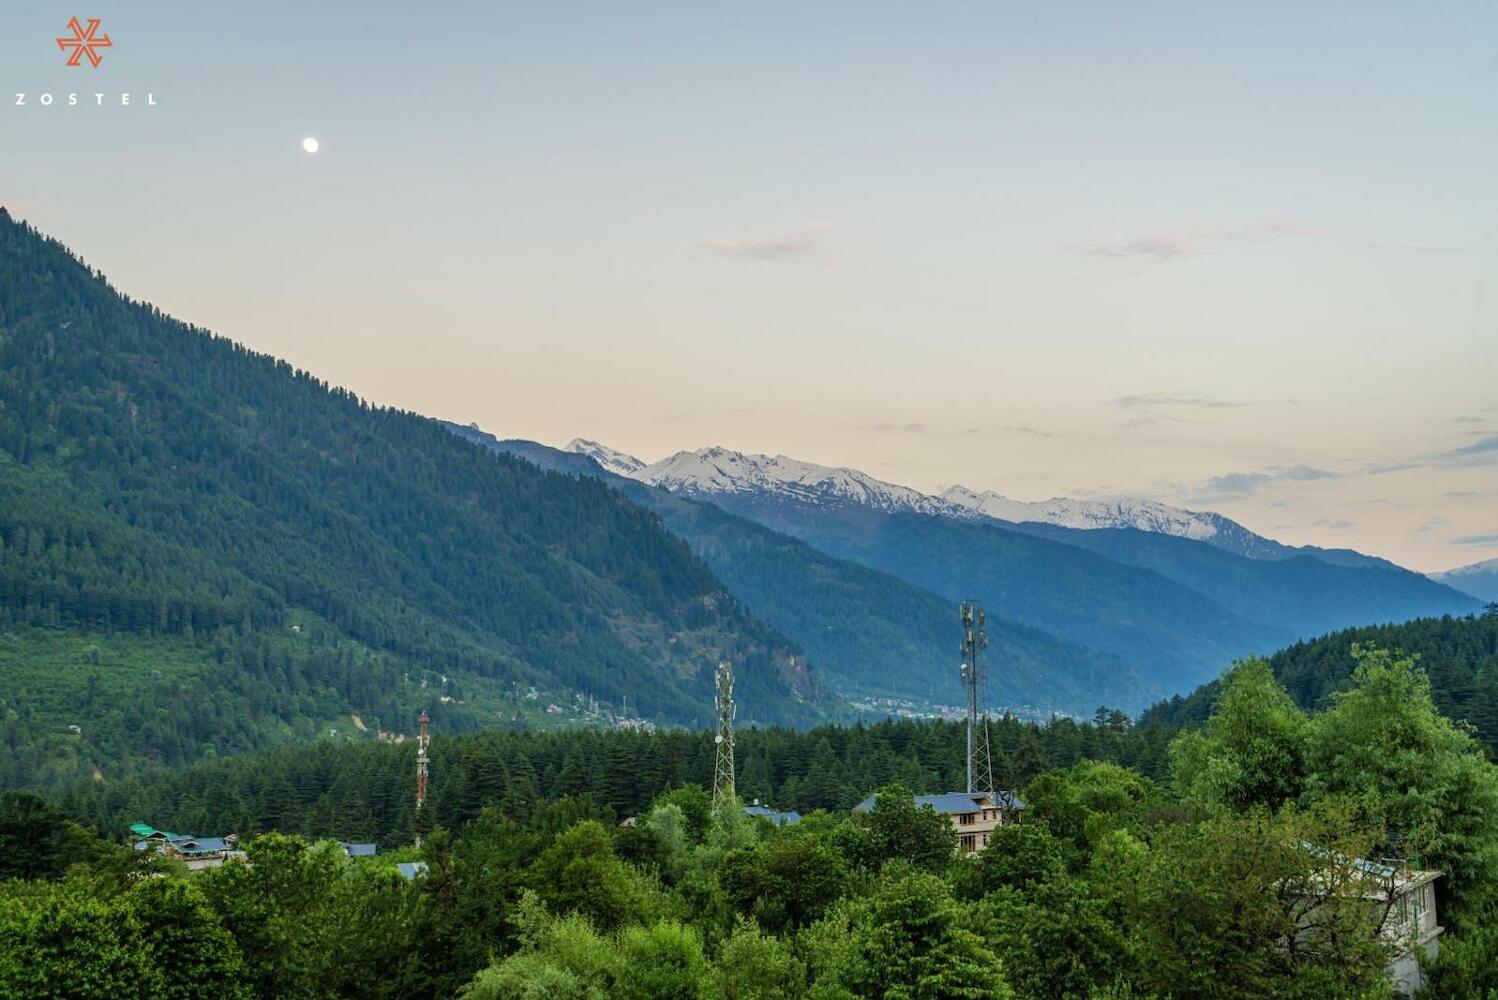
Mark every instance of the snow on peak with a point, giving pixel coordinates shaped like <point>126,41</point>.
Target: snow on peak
<point>613,461</point>
<point>1474,569</point>
<point>1121,512</point>
<point>719,470</point>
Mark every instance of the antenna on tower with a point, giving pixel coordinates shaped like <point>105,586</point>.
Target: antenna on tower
<point>423,741</point>
<point>723,790</point>
<point>974,674</point>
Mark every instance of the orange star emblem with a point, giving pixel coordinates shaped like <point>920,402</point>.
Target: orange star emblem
<point>85,42</point>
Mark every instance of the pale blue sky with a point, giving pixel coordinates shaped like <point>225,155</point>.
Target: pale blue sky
<point>1232,256</point>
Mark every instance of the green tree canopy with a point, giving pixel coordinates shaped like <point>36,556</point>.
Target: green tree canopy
<point>1414,774</point>
<point>906,942</point>
<point>1252,750</point>
<point>899,829</point>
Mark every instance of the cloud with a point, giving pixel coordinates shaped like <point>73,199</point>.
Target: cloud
<point>797,244</point>
<point>1483,451</point>
<point>1162,247</point>
<point>1156,399</point>
<point>1477,540</point>
<point>1300,473</point>
<point>1479,452</point>
<point>1231,485</point>
<point>1156,248</point>
<point>1150,408</point>
<point>914,427</point>
<point>1237,485</point>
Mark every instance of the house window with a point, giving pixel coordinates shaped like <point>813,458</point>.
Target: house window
<point>969,842</point>
<point>967,819</point>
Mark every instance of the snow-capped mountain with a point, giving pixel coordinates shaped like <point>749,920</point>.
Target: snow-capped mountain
<point>1145,515</point>
<point>613,461</point>
<point>1479,579</point>
<point>717,471</point>
<point>1172,593</point>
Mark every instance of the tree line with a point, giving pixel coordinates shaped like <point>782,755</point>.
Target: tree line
<point>1233,872</point>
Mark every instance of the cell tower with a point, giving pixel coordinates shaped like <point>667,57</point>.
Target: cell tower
<point>974,641</point>
<point>723,791</point>
<point>423,741</point>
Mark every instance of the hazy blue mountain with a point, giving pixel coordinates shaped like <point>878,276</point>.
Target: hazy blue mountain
<point>868,633</point>
<point>1305,594</point>
<point>1174,635</point>
<point>1175,608</point>
<point>1479,579</point>
<point>1174,592</point>
<point>1152,517</point>
<point>713,471</point>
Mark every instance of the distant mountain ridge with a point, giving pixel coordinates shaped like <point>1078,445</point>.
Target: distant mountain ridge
<point>1144,515</point>
<point>1174,604</point>
<point>715,470</point>
<point>1480,579</point>
<point>869,634</point>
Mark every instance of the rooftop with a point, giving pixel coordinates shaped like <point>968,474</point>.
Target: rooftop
<point>953,803</point>
<point>773,815</point>
<point>183,844</point>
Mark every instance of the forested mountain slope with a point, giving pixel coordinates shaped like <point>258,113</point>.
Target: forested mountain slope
<point>1459,654</point>
<point>869,633</point>
<point>157,481</point>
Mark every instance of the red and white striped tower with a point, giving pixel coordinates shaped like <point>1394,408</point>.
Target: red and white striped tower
<point>423,741</point>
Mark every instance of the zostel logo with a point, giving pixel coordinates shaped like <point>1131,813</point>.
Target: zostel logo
<point>85,42</point>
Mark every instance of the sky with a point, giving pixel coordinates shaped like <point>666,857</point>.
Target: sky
<point>1233,257</point>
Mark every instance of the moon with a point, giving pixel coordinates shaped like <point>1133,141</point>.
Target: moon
<point>310,144</point>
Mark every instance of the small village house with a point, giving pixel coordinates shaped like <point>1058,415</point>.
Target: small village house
<point>974,815</point>
<point>775,816</point>
<point>196,852</point>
